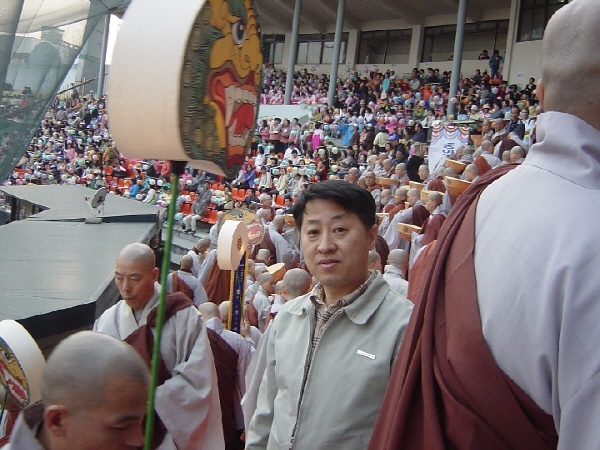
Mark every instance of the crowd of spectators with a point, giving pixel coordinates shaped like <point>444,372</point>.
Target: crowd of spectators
<point>380,123</point>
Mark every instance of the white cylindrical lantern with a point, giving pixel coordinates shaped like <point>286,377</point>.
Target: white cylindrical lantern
<point>185,82</point>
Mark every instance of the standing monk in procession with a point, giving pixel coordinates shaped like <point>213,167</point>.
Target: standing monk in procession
<point>187,401</point>
<point>502,352</point>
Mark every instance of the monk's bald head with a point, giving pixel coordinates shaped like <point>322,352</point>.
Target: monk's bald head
<point>398,258</point>
<point>136,274</point>
<point>570,49</point>
<point>186,263</point>
<point>209,310</point>
<point>296,282</point>
<point>436,197</point>
<point>79,368</point>
<point>138,253</point>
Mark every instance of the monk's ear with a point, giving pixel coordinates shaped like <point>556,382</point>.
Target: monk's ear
<point>155,273</point>
<point>540,93</point>
<point>56,420</point>
<point>372,236</point>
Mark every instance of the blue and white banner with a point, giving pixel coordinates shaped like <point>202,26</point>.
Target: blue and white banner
<point>445,139</point>
<point>236,308</point>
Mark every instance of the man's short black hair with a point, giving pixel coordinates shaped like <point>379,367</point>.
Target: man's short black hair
<point>351,197</point>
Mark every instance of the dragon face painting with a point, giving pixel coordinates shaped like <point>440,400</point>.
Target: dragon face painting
<point>256,230</point>
<point>12,375</point>
<point>221,83</point>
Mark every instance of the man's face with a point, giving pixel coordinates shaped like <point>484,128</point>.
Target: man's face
<point>400,171</point>
<point>412,198</point>
<point>135,282</point>
<point>336,245</point>
<point>485,126</point>
<point>423,173</point>
<point>469,175</point>
<point>514,114</point>
<point>370,179</point>
<point>117,424</point>
<point>266,203</point>
<point>398,199</point>
<point>430,205</point>
<point>498,125</point>
<point>269,286</point>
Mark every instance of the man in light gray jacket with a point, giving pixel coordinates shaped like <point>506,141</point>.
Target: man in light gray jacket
<point>330,352</point>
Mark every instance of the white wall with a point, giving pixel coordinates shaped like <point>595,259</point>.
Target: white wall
<point>526,61</point>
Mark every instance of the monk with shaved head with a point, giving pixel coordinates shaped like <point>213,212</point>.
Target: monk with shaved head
<point>504,351</point>
<point>395,271</point>
<point>94,393</point>
<point>187,397</point>
<point>184,281</point>
<point>232,354</point>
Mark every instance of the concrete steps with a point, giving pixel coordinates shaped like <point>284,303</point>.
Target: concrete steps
<point>182,243</point>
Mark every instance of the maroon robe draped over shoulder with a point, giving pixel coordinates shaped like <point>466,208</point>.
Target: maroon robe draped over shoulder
<point>142,340</point>
<point>446,390</point>
<point>431,228</point>
<point>179,285</point>
<point>482,164</point>
<point>417,274</point>
<point>217,284</point>
<point>420,215</point>
<point>436,185</point>
<point>226,360</point>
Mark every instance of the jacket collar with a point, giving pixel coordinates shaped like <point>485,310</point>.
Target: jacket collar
<point>359,311</point>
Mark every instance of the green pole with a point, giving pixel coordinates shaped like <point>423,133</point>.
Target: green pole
<point>177,168</point>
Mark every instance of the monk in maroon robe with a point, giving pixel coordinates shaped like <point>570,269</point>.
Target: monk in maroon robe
<point>431,228</point>
<point>436,185</point>
<point>433,224</point>
<point>419,271</point>
<point>226,360</point>
<point>218,284</point>
<point>482,164</point>
<point>446,390</point>
<point>420,215</point>
<point>268,244</point>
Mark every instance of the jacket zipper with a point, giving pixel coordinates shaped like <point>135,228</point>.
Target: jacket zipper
<point>310,356</point>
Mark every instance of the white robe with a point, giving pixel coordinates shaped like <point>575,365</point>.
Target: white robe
<point>286,251</point>
<point>193,283</point>
<point>262,303</point>
<point>389,229</point>
<point>213,234</point>
<point>197,262</point>
<point>206,265</point>
<point>254,376</point>
<point>394,278</point>
<point>536,268</point>
<point>187,403</point>
<point>23,437</point>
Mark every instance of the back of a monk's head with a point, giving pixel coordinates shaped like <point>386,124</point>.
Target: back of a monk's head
<point>296,282</point>
<point>571,61</point>
<point>209,310</point>
<point>79,368</point>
